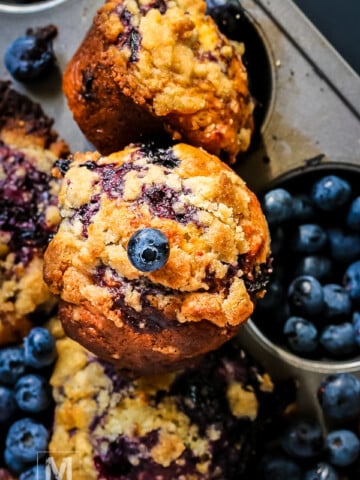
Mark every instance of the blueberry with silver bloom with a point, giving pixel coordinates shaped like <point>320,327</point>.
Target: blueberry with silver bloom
<point>322,471</point>
<point>12,364</point>
<point>309,238</point>
<point>353,215</point>
<point>343,447</point>
<point>339,396</point>
<point>28,57</point>
<point>303,439</point>
<point>32,393</point>
<point>352,280</point>
<point>330,192</point>
<point>339,340</point>
<point>337,301</point>
<point>27,440</point>
<point>301,335</point>
<point>40,348</point>
<point>305,295</point>
<point>278,205</point>
<point>148,249</point>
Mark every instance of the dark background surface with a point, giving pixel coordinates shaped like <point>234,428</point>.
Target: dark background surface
<point>339,22</point>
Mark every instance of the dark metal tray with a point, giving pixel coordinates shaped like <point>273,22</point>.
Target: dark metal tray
<point>313,113</point>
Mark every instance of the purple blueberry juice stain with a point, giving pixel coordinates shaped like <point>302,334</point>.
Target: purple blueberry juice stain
<point>149,319</point>
<point>114,464</point>
<point>156,5</point>
<point>87,212</point>
<point>130,37</point>
<point>24,195</point>
<point>161,199</point>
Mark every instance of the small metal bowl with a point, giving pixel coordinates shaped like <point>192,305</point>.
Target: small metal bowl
<point>279,362</point>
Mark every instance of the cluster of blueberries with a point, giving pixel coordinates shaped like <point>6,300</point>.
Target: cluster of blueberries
<point>26,403</point>
<point>304,451</point>
<point>313,302</point>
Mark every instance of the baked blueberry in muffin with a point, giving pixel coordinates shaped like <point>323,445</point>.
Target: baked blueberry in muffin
<point>28,210</point>
<point>186,286</point>
<point>209,422</point>
<point>150,67</point>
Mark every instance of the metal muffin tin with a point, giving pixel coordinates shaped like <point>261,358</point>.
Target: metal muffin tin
<point>313,114</point>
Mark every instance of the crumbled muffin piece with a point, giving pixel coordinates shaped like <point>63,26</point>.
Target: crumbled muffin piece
<point>28,210</point>
<point>187,425</point>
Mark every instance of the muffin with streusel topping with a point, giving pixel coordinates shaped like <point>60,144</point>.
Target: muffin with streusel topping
<point>209,422</point>
<point>150,306</point>
<point>28,213</point>
<point>148,67</point>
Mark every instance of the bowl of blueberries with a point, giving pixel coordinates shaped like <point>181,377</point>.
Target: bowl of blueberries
<point>307,327</point>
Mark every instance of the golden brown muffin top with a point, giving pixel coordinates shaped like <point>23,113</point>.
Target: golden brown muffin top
<point>170,58</point>
<point>217,234</point>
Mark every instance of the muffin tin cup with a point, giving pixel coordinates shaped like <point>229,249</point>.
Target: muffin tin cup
<point>279,362</point>
<point>283,365</point>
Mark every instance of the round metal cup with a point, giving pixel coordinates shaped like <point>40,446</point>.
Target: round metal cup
<point>279,362</point>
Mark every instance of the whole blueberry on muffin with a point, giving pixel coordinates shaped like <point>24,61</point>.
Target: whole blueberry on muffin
<point>160,255</point>
<point>28,210</point>
<point>150,67</point>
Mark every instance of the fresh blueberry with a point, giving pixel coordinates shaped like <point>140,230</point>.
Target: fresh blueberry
<point>28,57</point>
<point>352,280</point>
<point>148,249</point>
<point>343,447</point>
<point>301,334</point>
<point>32,393</point>
<point>40,348</point>
<point>316,266</point>
<point>13,463</point>
<point>339,396</point>
<point>227,14</point>
<point>330,192</point>
<point>273,467</point>
<point>322,471</point>
<point>353,215</point>
<point>27,440</point>
<point>303,207</point>
<point>11,364</point>
<point>37,472</point>
<point>305,295</point>
<point>338,340</point>
<point>309,238</point>
<point>344,246</point>
<point>337,301</point>
<point>303,439</point>
<point>278,205</point>
<point>356,325</point>
<point>7,404</point>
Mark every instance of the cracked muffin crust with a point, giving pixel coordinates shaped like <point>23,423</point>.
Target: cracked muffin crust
<point>218,262</point>
<point>28,213</point>
<point>145,67</point>
<point>196,424</point>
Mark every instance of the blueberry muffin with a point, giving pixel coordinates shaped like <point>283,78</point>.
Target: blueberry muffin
<point>209,422</point>
<point>193,291</point>
<point>152,66</point>
<point>28,213</point>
